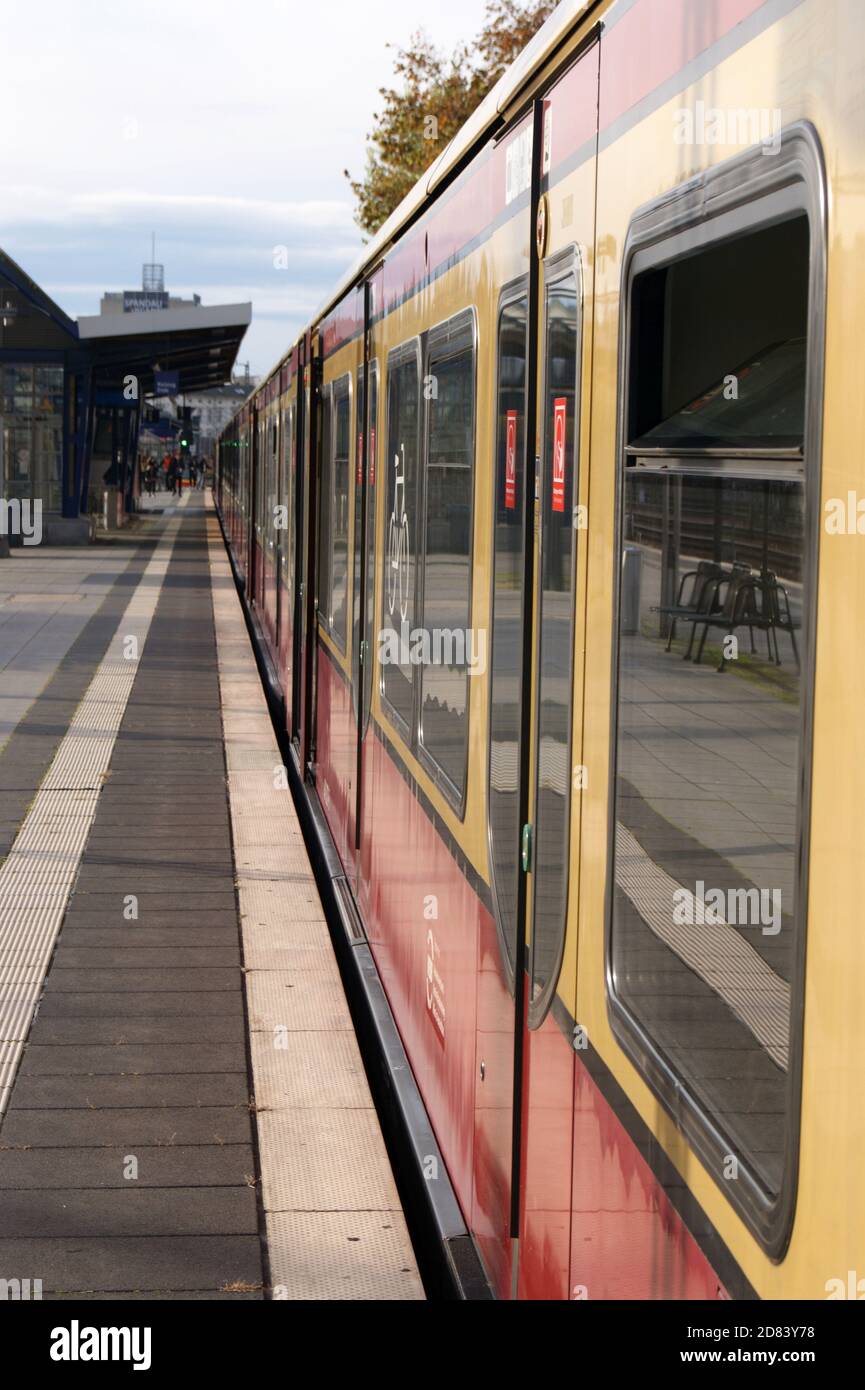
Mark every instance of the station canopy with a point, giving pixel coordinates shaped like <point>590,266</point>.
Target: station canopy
<point>169,351</point>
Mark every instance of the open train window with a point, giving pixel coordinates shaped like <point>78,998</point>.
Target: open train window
<point>720,420</point>
<point>446,538</point>
<point>400,534</point>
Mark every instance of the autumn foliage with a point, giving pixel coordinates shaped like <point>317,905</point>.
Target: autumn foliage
<point>434,96</point>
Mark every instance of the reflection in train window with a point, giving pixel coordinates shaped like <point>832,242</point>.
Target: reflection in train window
<point>447,538</point>
<point>371,494</point>
<point>260,484</point>
<point>271,486</point>
<point>288,500</point>
<point>400,531</point>
<point>706,788</point>
<point>709,753</point>
<point>325,505</point>
<point>506,640</point>
<point>339,514</point>
<point>554,703</point>
<point>357,547</point>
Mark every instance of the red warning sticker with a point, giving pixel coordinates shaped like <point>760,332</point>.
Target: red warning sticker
<point>559,435</point>
<point>511,460</point>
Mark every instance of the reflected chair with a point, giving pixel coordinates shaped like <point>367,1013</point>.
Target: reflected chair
<point>702,595</point>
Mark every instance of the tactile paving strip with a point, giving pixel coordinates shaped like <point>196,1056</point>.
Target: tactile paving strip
<point>39,872</point>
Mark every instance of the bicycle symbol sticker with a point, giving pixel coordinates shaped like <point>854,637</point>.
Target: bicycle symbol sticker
<point>398,542</point>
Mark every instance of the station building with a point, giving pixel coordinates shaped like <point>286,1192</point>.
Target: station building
<point>72,393</point>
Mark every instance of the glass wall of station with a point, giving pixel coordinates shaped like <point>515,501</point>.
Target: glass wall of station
<point>31,432</point>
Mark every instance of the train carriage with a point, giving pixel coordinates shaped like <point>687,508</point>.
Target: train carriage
<point>532,521</point>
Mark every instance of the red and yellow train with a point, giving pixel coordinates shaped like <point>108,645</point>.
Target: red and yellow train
<point>550,521</point>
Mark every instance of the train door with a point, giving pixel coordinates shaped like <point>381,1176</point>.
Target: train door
<point>564,243</point>
<point>306,552</point>
<point>256,529</point>
<point>364,572</point>
<point>298,590</point>
<point>285,609</point>
<point>271,531</point>
<point>537,562</point>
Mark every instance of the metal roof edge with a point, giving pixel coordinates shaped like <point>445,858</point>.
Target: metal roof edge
<point>145,321</point>
<point>27,286</point>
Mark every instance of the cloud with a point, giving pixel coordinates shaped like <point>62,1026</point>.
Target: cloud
<point>34,204</point>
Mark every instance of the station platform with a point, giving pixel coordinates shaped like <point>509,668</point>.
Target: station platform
<point>184,1111</point>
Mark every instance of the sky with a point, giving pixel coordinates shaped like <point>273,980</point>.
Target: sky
<point>223,128</point>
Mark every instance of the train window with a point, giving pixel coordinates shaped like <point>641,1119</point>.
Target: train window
<point>286,499</point>
<point>448,471</point>
<point>554,663</point>
<point>272,485</point>
<point>371,494</point>
<point>339,508</point>
<point>261,484</point>
<point>357,548</point>
<point>362,626</point>
<point>715,610</point>
<point>398,599</point>
<point>325,507</point>
<point>506,643</point>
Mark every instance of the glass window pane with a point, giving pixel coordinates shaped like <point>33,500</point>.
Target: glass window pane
<point>400,532</point>
<point>357,616</point>
<point>447,559</point>
<point>507,616</point>
<point>371,495</point>
<point>555,639</point>
<point>339,517</point>
<point>707,790</point>
<point>325,504</point>
<point>290,500</point>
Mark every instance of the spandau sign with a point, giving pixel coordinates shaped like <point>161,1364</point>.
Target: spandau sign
<point>134,301</point>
